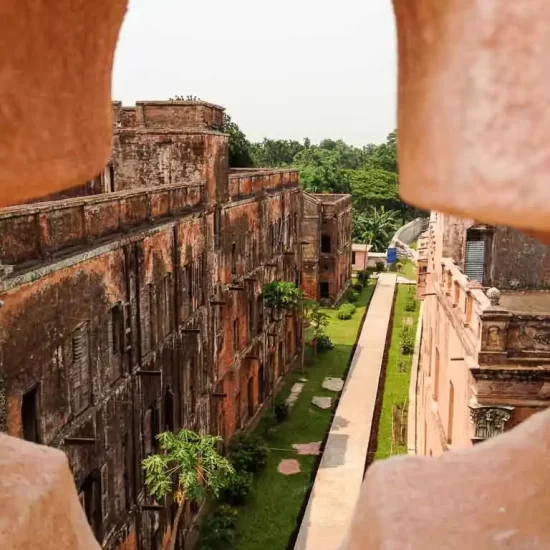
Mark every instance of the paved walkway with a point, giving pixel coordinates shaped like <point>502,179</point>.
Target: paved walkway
<point>340,473</point>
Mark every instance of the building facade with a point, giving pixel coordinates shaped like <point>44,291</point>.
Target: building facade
<point>135,307</point>
<point>326,246</point>
<point>485,350</point>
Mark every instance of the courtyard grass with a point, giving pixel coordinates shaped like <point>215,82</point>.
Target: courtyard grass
<point>409,270</point>
<point>396,387</point>
<point>269,518</point>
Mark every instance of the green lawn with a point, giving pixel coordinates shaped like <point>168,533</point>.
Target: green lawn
<point>398,374</point>
<point>409,270</point>
<point>269,518</point>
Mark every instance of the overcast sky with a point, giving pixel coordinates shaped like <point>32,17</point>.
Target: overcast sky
<point>284,69</point>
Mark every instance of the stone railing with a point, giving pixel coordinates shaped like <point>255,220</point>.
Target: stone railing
<point>465,298</point>
<point>33,232</point>
<point>244,183</point>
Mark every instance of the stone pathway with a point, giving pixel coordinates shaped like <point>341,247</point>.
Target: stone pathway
<point>295,391</point>
<point>322,402</point>
<point>338,481</point>
<point>333,384</point>
<point>289,467</point>
<point>312,449</point>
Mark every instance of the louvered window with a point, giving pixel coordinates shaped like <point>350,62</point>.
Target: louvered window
<point>80,376</point>
<point>474,265</point>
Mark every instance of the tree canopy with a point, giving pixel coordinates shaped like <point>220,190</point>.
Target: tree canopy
<point>369,173</point>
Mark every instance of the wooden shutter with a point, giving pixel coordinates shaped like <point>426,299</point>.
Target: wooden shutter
<point>80,368</point>
<point>145,322</point>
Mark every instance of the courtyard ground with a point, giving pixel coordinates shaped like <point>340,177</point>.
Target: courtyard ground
<point>269,518</point>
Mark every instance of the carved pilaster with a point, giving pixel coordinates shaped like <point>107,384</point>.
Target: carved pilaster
<point>488,421</point>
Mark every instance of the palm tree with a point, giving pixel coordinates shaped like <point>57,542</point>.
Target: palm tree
<point>375,227</point>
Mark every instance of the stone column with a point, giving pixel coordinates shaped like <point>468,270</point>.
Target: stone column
<point>488,421</point>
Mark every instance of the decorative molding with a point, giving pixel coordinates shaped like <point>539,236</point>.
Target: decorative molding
<point>489,421</point>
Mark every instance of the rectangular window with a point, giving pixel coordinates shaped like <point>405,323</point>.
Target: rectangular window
<point>80,375</point>
<point>436,377</point>
<point>234,258</point>
<point>325,244</point>
<point>116,329</point>
<point>236,335</point>
<point>353,259</point>
<point>29,415</point>
<point>217,226</point>
<point>324,289</point>
<point>451,413</point>
<point>91,498</point>
<point>152,317</point>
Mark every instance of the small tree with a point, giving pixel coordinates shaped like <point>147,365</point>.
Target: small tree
<point>189,468</point>
<point>318,320</point>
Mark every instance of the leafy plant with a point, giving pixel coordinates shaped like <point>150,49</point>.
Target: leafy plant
<point>380,267</point>
<point>346,311</point>
<point>399,267</point>
<point>364,276</point>
<point>410,304</point>
<point>281,410</point>
<point>324,343</point>
<point>248,453</point>
<point>238,488</point>
<point>188,467</point>
<point>406,341</point>
<point>352,295</point>
<point>281,294</point>
<point>217,531</point>
<point>358,287</point>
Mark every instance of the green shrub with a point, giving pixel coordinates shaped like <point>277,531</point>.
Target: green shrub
<point>410,304</point>
<point>248,453</point>
<point>324,343</point>
<point>380,266</point>
<point>217,532</point>
<point>399,267</point>
<point>237,489</point>
<point>364,276</point>
<point>281,410</point>
<point>352,295</point>
<point>358,287</point>
<point>345,311</point>
<point>407,341</point>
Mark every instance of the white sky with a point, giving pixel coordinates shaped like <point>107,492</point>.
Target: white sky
<point>283,69</point>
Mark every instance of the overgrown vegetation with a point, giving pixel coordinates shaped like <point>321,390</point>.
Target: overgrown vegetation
<point>281,295</point>
<point>217,531</point>
<point>248,453</point>
<point>392,427</point>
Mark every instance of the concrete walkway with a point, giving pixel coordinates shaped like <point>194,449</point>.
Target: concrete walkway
<point>340,473</point>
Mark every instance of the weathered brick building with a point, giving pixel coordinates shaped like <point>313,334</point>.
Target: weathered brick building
<point>485,353</point>
<point>135,306</point>
<point>327,246</point>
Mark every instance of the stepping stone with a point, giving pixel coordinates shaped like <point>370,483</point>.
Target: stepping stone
<point>322,402</point>
<point>333,384</point>
<point>308,448</point>
<point>303,380</point>
<point>289,467</point>
<point>294,393</point>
